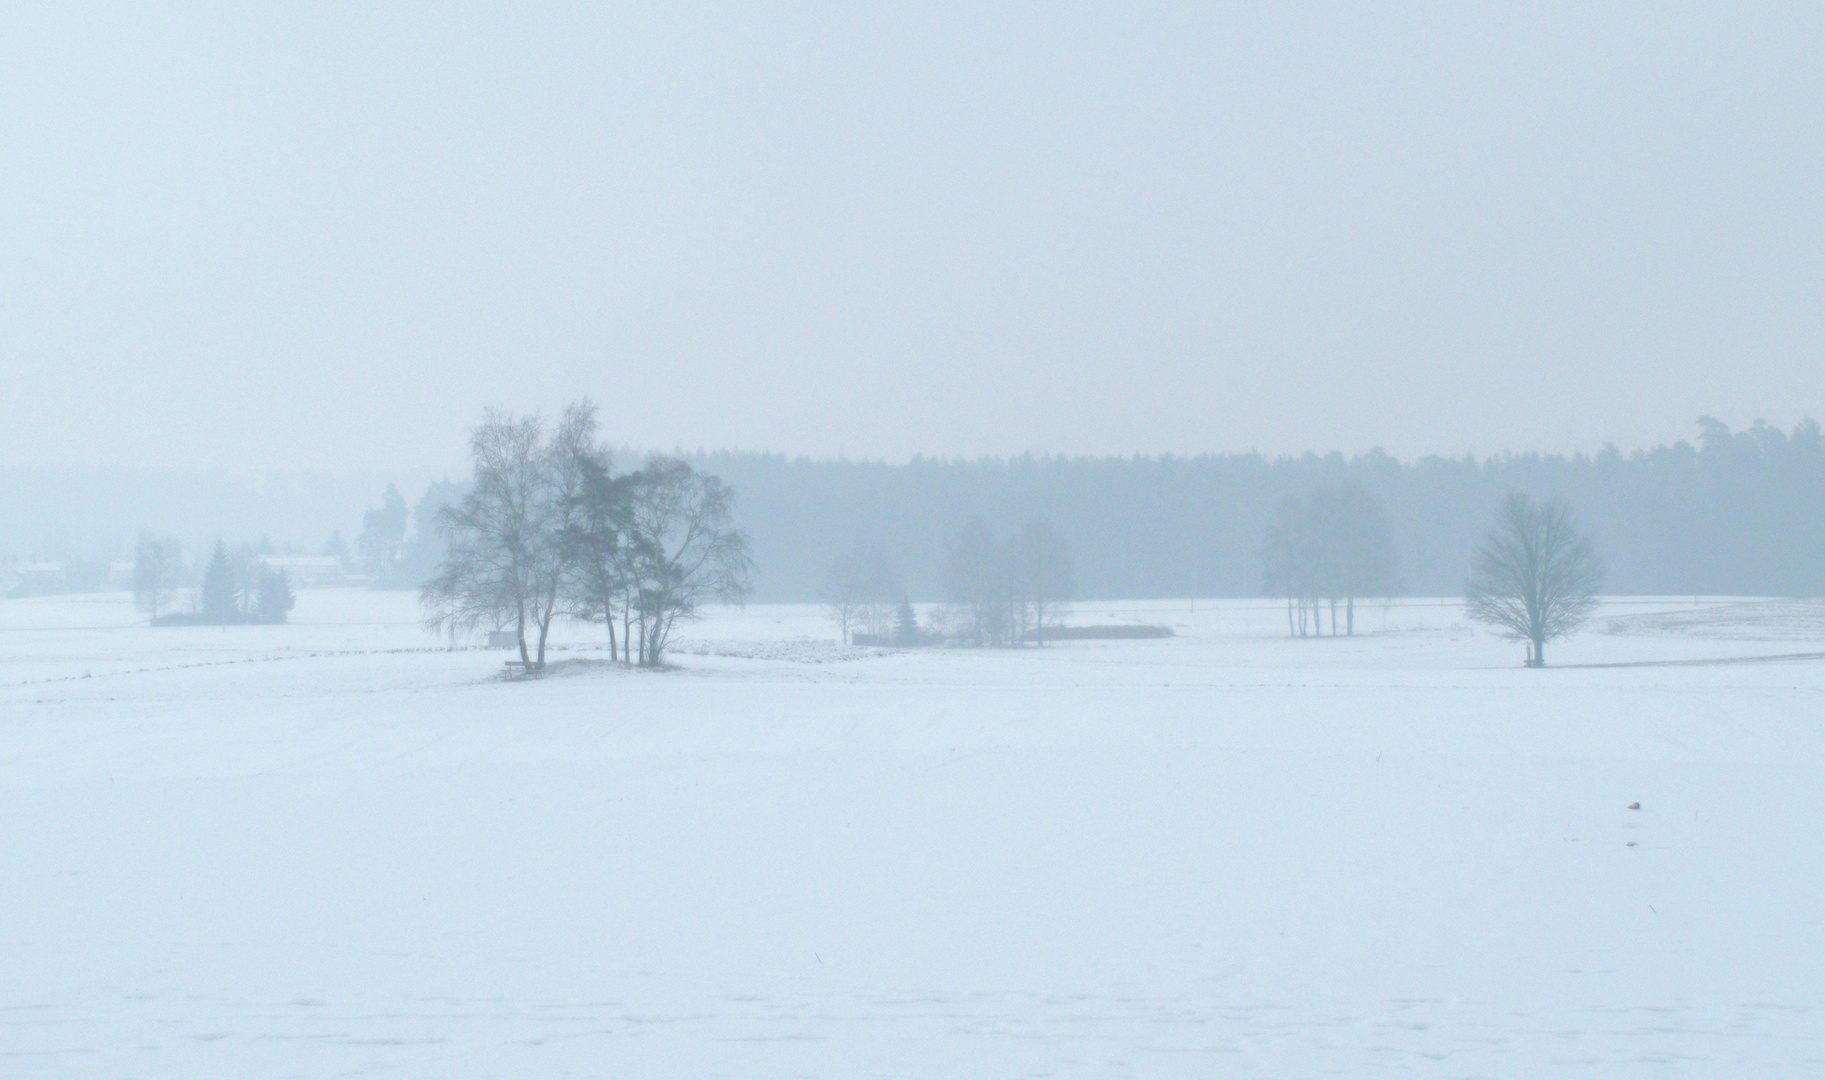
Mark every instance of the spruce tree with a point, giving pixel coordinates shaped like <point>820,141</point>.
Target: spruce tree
<point>276,597</point>
<point>906,626</point>
<point>219,587</point>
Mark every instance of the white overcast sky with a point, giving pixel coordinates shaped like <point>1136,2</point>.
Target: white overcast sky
<point>271,236</point>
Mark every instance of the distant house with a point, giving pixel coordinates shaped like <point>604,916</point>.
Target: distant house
<point>120,574</point>
<point>36,579</point>
<point>308,571</point>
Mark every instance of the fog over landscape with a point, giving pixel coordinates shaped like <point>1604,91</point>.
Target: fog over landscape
<point>912,540</point>
<point>1725,512</point>
<point>321,238</point>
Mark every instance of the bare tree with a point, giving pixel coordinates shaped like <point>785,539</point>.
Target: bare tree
<point>979,585</point>
<point>562,469</point>
<point>1045,579</point>
<point>862,595</point>
<point>156,565</point>
<point>492,573</point>
<point>1356,548</point>
<point>844,589</point>
<point>1285,564</point>
<point>1325,551</point>
<point>1536,575</point>
<point>881,594</point>
<point>683,550</point>
<point>1007,593</point>
<point>595,545</point>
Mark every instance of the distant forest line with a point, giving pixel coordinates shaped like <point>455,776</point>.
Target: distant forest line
<point>1731,513</point>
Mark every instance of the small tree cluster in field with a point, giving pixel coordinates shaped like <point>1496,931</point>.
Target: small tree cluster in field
<point>238,587</point>
<point>547,529</point>
<point>1536,575</point>
<point>1007,592</point>
<point>1325,551</point>
<point>862,595</point>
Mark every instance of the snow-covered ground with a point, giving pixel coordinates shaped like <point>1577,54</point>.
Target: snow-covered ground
<point>335,848</point>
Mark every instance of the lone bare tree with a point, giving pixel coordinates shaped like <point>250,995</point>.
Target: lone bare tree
<point>1536,575</point>
<point>156,564</point>
<point>1044,575</point>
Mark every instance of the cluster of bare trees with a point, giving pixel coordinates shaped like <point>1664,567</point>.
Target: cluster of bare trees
<point>863,596</point>
<point>1005,593</point>
<point>1536,575</point>
<point>1323,552</point>
<point>549,529</point>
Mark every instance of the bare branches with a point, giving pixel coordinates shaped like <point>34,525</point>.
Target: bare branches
<point>1327,550</point>
<point>1536,575</point>
<point>548,529</point>
<point>502,569</point>
<point>156,565</point>
<point>862,594</point>
<point>682,550</point>
<point>1007,593</point>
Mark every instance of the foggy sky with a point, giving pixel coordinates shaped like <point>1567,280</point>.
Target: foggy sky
<point>324,236</point>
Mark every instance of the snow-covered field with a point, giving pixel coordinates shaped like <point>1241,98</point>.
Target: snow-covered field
<point>337,849</point>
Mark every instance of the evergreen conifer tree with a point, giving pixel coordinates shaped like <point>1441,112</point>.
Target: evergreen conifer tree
<point>276,597</point>
<point>906,625</point>
<point>219,587</point>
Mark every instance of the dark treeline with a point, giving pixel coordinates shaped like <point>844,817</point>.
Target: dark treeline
<point>1733,512</point>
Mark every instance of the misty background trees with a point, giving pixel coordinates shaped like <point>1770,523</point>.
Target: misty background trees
<point>383,535</point>
<point>1536,575</point>
<point>1005,592</point>
<point>547,529</point>
<point>1324,551</point>
<point>862,595</point>
<point>1729,513</point>
<point>237,586</point>
<point>157,568</point>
